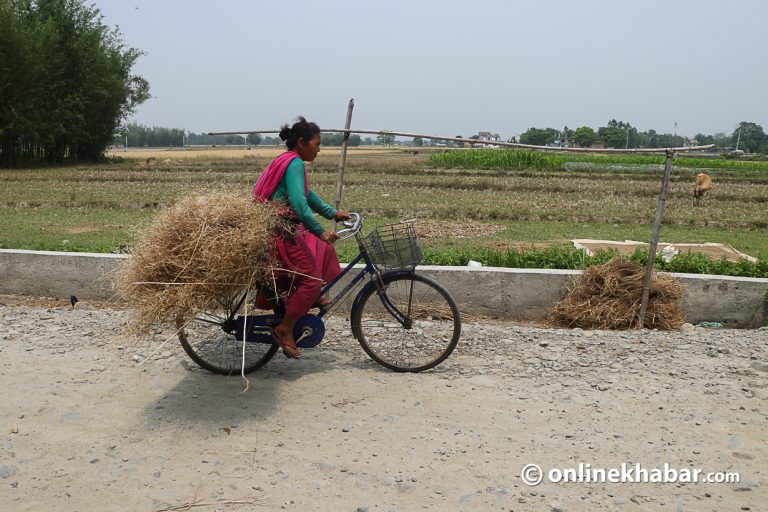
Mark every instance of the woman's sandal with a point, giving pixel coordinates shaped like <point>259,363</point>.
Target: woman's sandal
<point>291,352</point>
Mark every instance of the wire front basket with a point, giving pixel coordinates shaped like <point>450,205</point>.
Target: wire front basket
<point>393,247</point>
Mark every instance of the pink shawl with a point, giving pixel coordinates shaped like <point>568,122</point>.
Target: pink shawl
<point>270,178</point>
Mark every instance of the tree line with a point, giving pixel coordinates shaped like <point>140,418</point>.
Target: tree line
<point>136,135</point>
<point>747,136</point>
<point>616,134</point>
<point>65,82</point>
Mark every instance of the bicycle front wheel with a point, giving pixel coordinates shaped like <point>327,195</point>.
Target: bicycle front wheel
<point>211,342</point>
<point>412,326</point>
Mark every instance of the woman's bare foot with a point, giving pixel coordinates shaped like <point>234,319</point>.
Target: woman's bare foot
<point>321,302</point>
<point>284,337</point>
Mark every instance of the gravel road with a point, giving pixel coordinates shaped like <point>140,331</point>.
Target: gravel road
<point>86,427</point>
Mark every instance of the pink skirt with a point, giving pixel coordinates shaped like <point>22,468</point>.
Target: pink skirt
<point>306,264</point>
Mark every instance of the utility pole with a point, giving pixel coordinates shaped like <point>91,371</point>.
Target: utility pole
<point>675,128</point>
<point>738,137</point>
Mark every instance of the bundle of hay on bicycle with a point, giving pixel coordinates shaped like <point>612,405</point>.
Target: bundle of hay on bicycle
<point>200,249</point>
<point>608,297</point>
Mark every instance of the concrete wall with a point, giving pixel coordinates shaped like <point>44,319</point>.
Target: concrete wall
<point>526,294</point>
<point>517,294</point>
<point>58,274</point>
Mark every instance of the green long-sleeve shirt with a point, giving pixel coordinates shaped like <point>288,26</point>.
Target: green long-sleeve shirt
<point>290,190</point>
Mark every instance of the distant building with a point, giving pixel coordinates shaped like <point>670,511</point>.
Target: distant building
<point>598,144</point>
<point>489,137</point>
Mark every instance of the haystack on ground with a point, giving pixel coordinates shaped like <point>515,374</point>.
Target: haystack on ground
<point>608,297</point>
<point>200,250</point>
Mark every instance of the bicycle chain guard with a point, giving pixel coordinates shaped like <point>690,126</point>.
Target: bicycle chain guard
<point>308,332</point>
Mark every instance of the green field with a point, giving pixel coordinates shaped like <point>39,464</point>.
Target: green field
<point>100,208</point>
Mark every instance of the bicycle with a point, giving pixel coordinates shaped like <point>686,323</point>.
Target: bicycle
<point>403,320</point>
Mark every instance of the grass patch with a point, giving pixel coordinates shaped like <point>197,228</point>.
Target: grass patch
<point>70,229</point>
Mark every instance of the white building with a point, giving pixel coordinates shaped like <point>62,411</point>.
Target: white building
<point>488,136</point>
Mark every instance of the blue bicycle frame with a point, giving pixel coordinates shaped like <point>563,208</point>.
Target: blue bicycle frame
<point>369,269</point>
<point>257,327</point>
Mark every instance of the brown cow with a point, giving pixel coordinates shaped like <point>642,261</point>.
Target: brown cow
<point>703,185</point>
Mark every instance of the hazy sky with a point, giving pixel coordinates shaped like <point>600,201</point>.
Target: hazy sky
<point>449,67</point>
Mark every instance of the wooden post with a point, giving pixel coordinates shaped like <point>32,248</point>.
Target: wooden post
<point>655,238</point>
<point>343,159</point>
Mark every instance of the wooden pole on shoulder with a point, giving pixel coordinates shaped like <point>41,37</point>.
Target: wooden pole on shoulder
<point>343,158</point>
<point>655,239</point>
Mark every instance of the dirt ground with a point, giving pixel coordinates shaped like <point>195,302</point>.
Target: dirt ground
<point>86,427</point>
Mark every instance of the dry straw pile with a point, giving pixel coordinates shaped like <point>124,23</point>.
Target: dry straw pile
<point>608,297</point>
<point>198,251</point>
<point>429,228</point>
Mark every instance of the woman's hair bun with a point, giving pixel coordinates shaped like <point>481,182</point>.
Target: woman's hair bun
<point>301,129</point>
<point>285,132</point>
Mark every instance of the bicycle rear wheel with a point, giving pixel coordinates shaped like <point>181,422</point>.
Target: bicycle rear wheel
<point>422,338</point>
<point>210,340</point>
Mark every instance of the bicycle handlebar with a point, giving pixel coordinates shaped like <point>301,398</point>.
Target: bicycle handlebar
<point>351,226</point>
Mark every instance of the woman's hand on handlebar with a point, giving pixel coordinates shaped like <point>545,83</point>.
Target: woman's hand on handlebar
<point>351,226</point>
<point>329,236</point>
<point>341,215</point>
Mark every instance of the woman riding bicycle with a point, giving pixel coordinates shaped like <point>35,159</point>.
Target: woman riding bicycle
<point>307,257</point>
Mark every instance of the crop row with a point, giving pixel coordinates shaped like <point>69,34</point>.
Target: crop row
<point>522,159</point>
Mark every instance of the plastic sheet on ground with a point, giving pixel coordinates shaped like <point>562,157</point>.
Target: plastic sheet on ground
<point>714,251</point>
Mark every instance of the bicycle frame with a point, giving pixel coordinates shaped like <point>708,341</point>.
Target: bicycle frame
<point>369,269</point>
